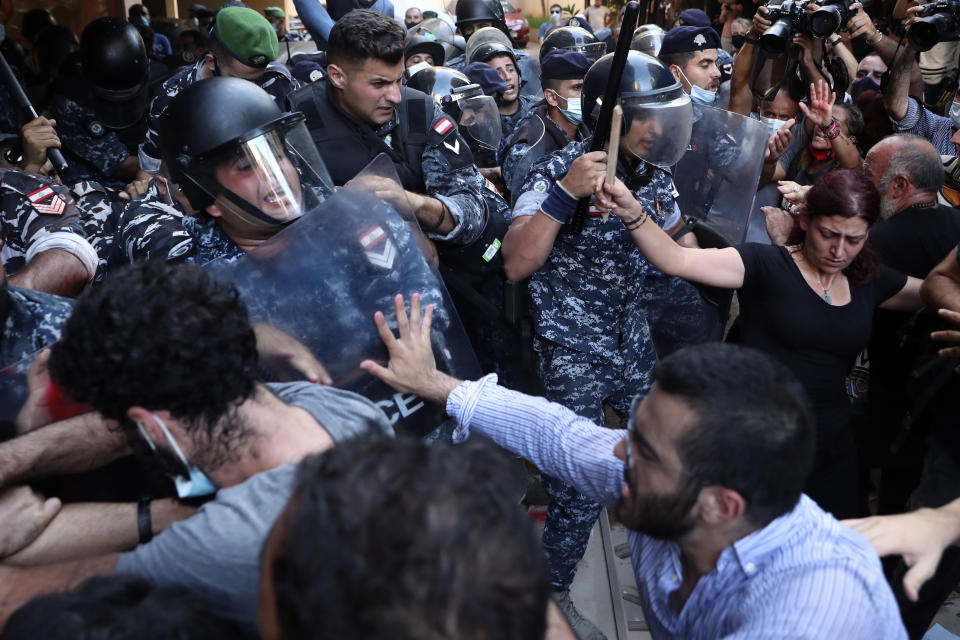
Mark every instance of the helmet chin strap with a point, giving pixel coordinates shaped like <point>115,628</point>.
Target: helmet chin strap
<point>260,219</point>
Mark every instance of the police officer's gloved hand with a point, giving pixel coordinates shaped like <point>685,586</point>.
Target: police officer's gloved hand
<point>487,77</point>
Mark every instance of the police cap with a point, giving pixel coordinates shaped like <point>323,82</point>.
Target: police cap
<point>562,64</point>
<point>685,39</point>
<point>694,18</point>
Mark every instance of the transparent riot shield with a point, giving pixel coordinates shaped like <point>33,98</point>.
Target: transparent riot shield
<point>322,279</point>
<point>716,180</point>
<point>534,153</point>
<point>530,77</point>
<point>717,176</point>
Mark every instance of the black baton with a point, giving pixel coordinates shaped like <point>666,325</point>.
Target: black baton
<point>16,91</point>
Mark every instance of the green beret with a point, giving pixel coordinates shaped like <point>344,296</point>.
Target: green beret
<point>246,35</point>
<point>274,12</point>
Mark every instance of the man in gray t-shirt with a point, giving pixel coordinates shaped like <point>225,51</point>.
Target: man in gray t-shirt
<point>182,345</point>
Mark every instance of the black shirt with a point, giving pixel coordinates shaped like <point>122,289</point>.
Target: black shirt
<point>916,240</point>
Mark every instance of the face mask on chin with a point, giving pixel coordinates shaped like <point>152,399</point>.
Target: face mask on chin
<point>196,483</point>
<point>697,94</point>
<point>821,154</point>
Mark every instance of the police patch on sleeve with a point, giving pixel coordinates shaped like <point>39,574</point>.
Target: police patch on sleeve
<point>443,126</point>
<point>45,200</point>
<point>540,186</point>
<point>96,128</point>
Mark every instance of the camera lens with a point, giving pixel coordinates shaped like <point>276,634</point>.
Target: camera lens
<point>774,40</point>
<point>824,21</point>
<point>925,32</point>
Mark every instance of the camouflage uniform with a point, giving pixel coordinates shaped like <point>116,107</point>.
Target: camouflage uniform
<point>595,302</point>
<point>92,150</point>
<point>151,229</point>
<point>100,210</point>
<point>33,322</point>
<point>276,81</point>
<point>36,215</point>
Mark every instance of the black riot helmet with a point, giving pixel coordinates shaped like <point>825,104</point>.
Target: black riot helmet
<point>115,65</point>
<point>203,150</point>
<point>650,96</point>
<point>488,43</point>
<point>423,43</point>
<point>476,114</point>
<point>647,39</point>
<point>469,11</point>
<point>574,39</point>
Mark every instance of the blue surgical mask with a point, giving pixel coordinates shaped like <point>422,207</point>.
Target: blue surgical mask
<point>145,20</point>
<point>573,112</point>
<point>197,483</point>
<point>772,123</point>
<point>955,113</point>
<point>698,95</point>
<point>556,15</point>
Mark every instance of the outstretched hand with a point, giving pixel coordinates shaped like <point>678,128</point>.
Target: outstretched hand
<point>820,111</point>
<point>920,537</point>
<point>412,367</point>
<point>949,335</point>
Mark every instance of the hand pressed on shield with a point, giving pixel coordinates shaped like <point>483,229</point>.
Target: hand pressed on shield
<point>792,191</point>
<point>412,367</point>
<point>820,111</point>
<point>586,174</point>
<point>272,343</point>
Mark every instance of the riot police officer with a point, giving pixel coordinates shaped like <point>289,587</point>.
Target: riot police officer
<point>573,39</point>
<point>420,48</point>
<point>596,300</point>
<point>244,177</point>
<point>473,15</point>
<point>361,110</point>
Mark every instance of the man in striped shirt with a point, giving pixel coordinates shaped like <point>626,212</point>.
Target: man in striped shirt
<point>708,477</point>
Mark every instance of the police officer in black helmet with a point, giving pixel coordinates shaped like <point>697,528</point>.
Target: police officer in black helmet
<point>596,300</point>
<point>573,39</point>
<point>476,14</point>
<point>234,182</point>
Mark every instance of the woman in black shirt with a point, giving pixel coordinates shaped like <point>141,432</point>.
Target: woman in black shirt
<point>810,305</point>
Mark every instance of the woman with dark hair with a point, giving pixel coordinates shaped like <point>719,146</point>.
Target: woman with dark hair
<point>809,304</point>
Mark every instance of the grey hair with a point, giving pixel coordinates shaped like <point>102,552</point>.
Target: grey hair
<point>917,160</point>
<point>741,22</point>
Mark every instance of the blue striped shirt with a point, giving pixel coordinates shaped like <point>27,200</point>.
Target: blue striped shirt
<point>804,575</point>
<point>926,124</point>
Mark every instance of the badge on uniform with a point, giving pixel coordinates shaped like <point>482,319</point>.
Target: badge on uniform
<point>96,128</point>
<point>540,186</point>
<point>443,126</point>
<point>52,204</point>
<point>699,40</point>
<point>378,247</point>
<point>490,186</point>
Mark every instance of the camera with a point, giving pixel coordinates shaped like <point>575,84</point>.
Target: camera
<point>940,22</point>
<point>790,17</point>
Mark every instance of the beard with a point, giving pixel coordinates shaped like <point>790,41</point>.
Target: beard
<point>887,208</point>
<point>664,517</point>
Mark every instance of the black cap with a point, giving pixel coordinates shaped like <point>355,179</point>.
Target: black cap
<point>685,39</point>
<point>562,64</point>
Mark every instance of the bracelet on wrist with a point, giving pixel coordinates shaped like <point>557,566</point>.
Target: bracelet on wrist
<point>637,222</point>
<point>558,205</point>
<point>832,130</point>
<point>443,216</point>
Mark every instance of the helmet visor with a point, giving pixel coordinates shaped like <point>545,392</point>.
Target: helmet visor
<point>480,119</point>
<point>277,174</point>
<point>593,50</point>
<point>657,133</point>
<point>648,43</point>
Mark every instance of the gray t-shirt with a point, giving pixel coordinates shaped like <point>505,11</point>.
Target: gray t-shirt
<point>216,553</point>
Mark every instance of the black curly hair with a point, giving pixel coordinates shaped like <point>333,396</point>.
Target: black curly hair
<point>163,337</point>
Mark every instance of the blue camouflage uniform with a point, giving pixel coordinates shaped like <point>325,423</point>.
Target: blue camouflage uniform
<point>37,215</point>
<point>93,151</point>
<point>276,80</point>
<point>596,304</point>
<point>33,322</point>
<point>509,124</point>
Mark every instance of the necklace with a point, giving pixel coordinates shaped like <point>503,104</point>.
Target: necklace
<point>826,289</point>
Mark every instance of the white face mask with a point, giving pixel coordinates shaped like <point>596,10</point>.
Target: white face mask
<point>772,123</point>
<point>198,483</point>
<point>698,95</point>
<point>955,114</point>
<point>573,112</point>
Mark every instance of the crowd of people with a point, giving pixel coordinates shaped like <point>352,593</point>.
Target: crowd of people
<point>261,283</point>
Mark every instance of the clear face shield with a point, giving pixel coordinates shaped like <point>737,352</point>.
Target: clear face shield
<point>657,133</point>
<point>272,177</point>
<point>593,50</point>
<point>648,42</point>
<point>480,119</point>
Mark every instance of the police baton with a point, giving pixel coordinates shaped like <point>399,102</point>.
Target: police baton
<point>19,97</point>
<point>602,129</point>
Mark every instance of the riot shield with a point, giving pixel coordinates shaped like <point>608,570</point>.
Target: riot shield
<point>717,176</point>
<point>321,279</point>
<point>530,77</point>
<point>521,167</point>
